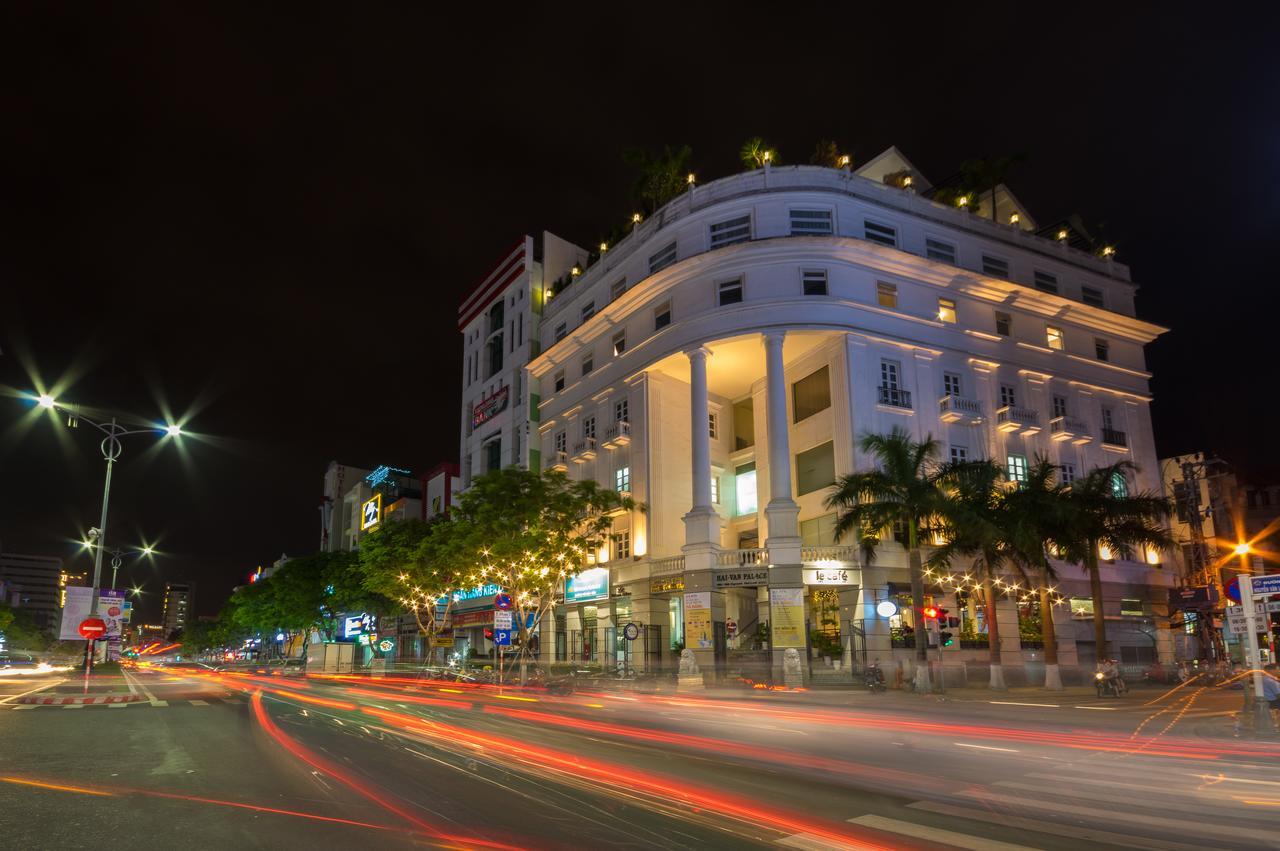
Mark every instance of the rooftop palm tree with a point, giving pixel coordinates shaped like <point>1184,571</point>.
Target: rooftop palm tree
<point>985,175</point>
<point>1102,513</point>
<point>755,152</point>
<point>662,174</point>
<point>974,524</point>
<point>902,490</point>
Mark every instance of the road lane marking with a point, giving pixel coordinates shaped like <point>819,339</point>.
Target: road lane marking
<point>936,834</point>
<point>1099,708</point>
<point>74,706</point>
<point>810,842</point>
<point>1223,779</point>
<point>14,697</point>
<point>24,706</point>
<point>146,692</point>
<point>116,705</point>
<point>983,747</point>
<point>1016,703</point>
<point>199,703</point>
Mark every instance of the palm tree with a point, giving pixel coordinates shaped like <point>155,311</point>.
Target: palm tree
<point>1035,521</point>
<point>984,175</point>
<point>826,153</point>
<point>1102,513</point>
<point>755,152</point>
<point>903,490</point>
<point>662,174</point>
<point>974,524</point>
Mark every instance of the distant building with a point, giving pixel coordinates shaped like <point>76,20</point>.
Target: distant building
<point>177,606</point>
<point>74,580</point>
<point>439,489</point>
<point>35,582</point>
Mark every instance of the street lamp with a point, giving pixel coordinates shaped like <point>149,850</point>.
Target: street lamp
<point>118,555</point>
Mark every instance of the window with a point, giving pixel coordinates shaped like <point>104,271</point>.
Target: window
<point>1092,297</point>
<point>616,291</point>
<point>715,489</point>
<point>1082,608</point>
<point>1067,473</point>
<point>1008,397</point>
<point>588,364</point>
<point>1059,406</point>
<point>1131,607</point>
<point>1101,349</point>
<point>588,427</point>
<point>889,374</point>
<point>936,249</point>
<point>1016,469</point>
<point>811,394</point>
<point>493,456</point>
<point>662,316</point>
<point>730,292</point>
<point>562,331</point>
<point>495,356</point>
<point>818,532</point>
<point>561,441</point>
<point>1053,337</point>
<point>1045,282</point>
<point>622,543</point>
<point>619,343</point>
<point>662,259</point>
<point>886,294</point>
<point>588,310</point>
<point>731,231</point>
<point>995,267</point>
<point>883,234</point>
<point>622,480</point>
<point>951,384</point>
<point>713,425</point>
<point>811,223</point>
<point>1004,324</point>
<point>959,454</point>
<point>745,488</point>
<point>813,281</point>
<point>620,411</point>
<point>1119,487</point>
<point>946,310</point>
<point>815,468</point>
<point>559,381</point>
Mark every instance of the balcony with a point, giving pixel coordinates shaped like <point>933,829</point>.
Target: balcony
<point>618,434</point>
<point>667,566</point>
<point>846,554</point>
<point>1011,419</point>
<point>560,461</point>
<point>741,558</point>
<point>1115,439</point>
<point>955,409</point>
<point>1070,428</point>
<point>895,398</point>
<point>584,450</point>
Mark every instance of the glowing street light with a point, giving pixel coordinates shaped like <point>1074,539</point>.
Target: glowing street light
<point>173,430</point>
<point>44,400</point>
<point>1242,549</point>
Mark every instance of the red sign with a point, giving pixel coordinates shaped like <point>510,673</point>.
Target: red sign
<point>487,409</point>
<point>472,618</point>
<point>92,628</point>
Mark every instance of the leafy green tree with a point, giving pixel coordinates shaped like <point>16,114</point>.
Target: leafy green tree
<point>901,491</point>
<point>528,532</point>
<point>1103,513</point>
<point>827,153</point>
<point>20,629</point>
<point>661,175</point>
<point>755,152</point>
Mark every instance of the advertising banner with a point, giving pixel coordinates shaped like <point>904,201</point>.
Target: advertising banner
<point>697,620</point>
<point>588,585</point>
<point>111,610</point>
<point>75,611</point>
<point>787,618</point>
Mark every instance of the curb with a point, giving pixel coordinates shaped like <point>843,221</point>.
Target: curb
<point>82,701</point>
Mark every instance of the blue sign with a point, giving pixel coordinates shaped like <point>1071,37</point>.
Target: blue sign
<point>354,626</point>
<point>1233,589</point>
<point>383,473</point>
<point>588,585</point>
<point>502,637</point>
<point>1266,584</point>
<point>502,601</point>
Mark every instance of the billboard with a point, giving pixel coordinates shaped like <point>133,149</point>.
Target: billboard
<point>371,512</point>
<point>588,585</point>
<point>75,610</point>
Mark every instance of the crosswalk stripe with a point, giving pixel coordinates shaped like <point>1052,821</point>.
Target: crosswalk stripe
<point>117,705</point>
<point>1079,833</point>
<point>810,842</point>
<point>1214,829</point>
<point>199,703</point>
<point>1152,798</point>
<point>1206,787</point>
<point>936,834</point>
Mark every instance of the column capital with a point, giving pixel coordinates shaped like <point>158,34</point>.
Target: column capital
<point>698,352</point>
<point>774,338</point>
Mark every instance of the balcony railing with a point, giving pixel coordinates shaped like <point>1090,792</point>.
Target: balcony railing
<point>956,409</point>
<point>895,397</point>
<point>843,554</point>
<point>667,566</point>
<point>1070,428</point>
<point>559,461</point>
<point>1011,418</point>
<point>618,434</point>
<point>1112,437</point>
<point>584,450</point>
<point>738,558</point>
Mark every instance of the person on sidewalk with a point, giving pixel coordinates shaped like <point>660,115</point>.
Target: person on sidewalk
<point>1271,686</point>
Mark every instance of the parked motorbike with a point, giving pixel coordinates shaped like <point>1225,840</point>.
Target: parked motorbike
<point>873,679</point>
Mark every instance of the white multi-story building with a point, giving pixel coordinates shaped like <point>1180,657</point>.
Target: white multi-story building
<point>720,363</point>
<point>177,606</point>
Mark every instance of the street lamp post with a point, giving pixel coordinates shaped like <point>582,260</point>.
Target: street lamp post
<point>1261,710</point>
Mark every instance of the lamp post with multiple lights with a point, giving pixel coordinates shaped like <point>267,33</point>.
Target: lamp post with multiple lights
<point>111,449</point>
<point>118,554</point>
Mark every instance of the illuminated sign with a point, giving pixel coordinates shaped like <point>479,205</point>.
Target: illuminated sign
<point>487,409</point>
<point>588,585</point>
<point>826,576</point>
<point>487,590</point>
<point>371,512</point>
<point>354,626</point>
<point>383,473</point>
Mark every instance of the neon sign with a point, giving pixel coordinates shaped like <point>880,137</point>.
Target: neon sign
<point>371,512</point>
<point>383,473</point>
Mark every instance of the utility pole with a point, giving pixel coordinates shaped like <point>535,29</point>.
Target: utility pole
<point>1200,570</point>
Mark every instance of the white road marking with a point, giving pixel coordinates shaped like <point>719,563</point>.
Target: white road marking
<point>117,705</point>
<point>935,834</point>
<point>14,697</point>
<point>74,706</point>
<point>199,703</point>
<point>1016,703</point>
<point>146,691</point>
<point>983,747</point>
<point>1099,708</point>
<point>1208,778</point>
<point>24,706</point>
<point>810,842</point>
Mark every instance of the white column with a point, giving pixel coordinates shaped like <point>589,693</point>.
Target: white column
<point>700,428</point>
<point>776,417</point>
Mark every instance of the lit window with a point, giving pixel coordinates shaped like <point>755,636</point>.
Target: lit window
<point>622,479</point>
<point>715,489</point>
<point>811,394</point>
<point>619,342</point>
<point>561,441</point>
<point>662,316</point>
<point>589,427</point>
<point>1053,337</point>
<point>943,252</point>
<point>1119,487</point>
<point>882,234</point>
<point>745,488</point>
<point>620,411</point>
<point>814,281</point>
<point>1082,607</point>
<point>622,543</point>
<point>886,294</point>
<point>1131,607</point>
<point>811,223</point>
<point>1101,349</point>
<point>731,292</point>
<point>1016,469</point>
<point>946,310</point>
<point>1004,324</point>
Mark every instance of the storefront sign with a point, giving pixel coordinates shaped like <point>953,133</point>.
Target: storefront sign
<point>664,586</point>
<point>472,618</point>
<point>787,617</point>
<point>487,409</point>
<point>444,641</point>
<point>371,512</point>
<point>486,590</point>
<point>827,576</point>
<point>1195,597</point>
<point>742,578</point>
<point>697,620</point>
<point>588,585</point>
<point>354,626</point>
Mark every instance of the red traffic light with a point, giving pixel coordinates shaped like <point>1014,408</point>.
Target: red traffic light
<point>930,612</point>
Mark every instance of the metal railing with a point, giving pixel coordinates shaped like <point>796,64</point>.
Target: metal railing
<point>895,397</point>
<point>585,448</point>
<point>958,406</point>
<point>1068,425</point>
<point>1114,438</point>
<point>619,432</point>
<point>738,558</point>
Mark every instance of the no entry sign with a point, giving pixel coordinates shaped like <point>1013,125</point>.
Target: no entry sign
<point>92,628</point>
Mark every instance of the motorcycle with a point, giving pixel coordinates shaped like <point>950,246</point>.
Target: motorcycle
<point>873,679</point>
<point>1114,686</point>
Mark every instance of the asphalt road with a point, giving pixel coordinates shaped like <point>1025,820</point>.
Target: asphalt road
<point>272,762</point>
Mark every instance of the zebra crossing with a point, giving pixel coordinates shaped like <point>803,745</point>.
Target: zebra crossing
<point>208,700</point>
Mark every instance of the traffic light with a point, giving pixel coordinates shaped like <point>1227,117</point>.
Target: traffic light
<point>488,633</point>
<point>930,612</point>
<point>945,639</point>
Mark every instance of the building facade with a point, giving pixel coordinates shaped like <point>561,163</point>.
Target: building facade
<point>720,363</point>
<point>35,582</point>
<point>177,611</point>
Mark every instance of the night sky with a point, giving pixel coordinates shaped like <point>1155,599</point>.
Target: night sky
<point>263,222</point>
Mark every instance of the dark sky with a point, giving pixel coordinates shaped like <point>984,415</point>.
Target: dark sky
<point>261,216</point>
